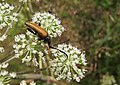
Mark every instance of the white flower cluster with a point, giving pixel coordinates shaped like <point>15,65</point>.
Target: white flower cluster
<point>4,80</point>
<point>23,82</point>
<point>5,75</point>
<point>7,15</point>
<point>65,67</point>
<point>27,46</point>
<point>49,23</point>
<point>23,1</point>
<point>4,72</point>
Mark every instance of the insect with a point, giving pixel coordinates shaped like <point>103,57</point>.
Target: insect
<point>41,33</point>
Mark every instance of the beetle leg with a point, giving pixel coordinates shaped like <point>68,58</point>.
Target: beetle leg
<point>49,11</point>
<point>39,24</point>
<point>29,29</point>
<point>34,32</point>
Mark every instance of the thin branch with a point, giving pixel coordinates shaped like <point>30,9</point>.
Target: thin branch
<point>37,77</point>
<point>30,6</point>
<point>24,72</point>
<point>48,59</point>
<point>62,42</point>
<point>5,58</point>
<point>19,8</point>
<point>9,59</point>
<point>6,31</point>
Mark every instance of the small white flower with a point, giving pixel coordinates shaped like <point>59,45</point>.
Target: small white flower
<point>11,7</point>
<point>83,58</point>
<point>77,79</point>
<point>17,55</point>
<point>13,74</point>
<point>23,82</point>
<point>34,51</point>
<point>6,5</point>
<point>23,46</point>
<point>3,72</point>
<point>35,63</point>
<point>17,39</point>
<point>5,18</point>
<point>32,83</point>
<point>5,65</point>
<point>15,14</point>
<point>2,7</point>
<point>4,24</point>
<point>33,43</point>
<point>28,47</point>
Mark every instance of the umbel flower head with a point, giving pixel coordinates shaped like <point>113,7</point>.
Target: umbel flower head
<point>28,46</point>
<point>65,67</point>
<point>49,22</point>
<point>5,76</point>
<point>7,15</point>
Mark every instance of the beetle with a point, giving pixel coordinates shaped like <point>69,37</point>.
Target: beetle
<point>41,33</point>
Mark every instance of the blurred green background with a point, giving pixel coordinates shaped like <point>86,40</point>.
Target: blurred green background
<point>92,25</point>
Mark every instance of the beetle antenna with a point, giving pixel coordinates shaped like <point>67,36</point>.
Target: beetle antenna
<point>62,42</point>
<point>59,50</point>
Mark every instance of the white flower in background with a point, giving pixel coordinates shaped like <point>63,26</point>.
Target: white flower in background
<point>4,65</point>
<point>49,22</point>
<point>108,79</point>
<point>23,82</point>
<point>7,15</point>
<point>34,61</point>
<point>13,74</point>
<point>23,1</point>
<point>3,37</point>
<point>66,67</point>
<point>28,46</point>
<point>32,83</point>
<point>1,49</point>
<point>6,76</point>
<point>3,73</point>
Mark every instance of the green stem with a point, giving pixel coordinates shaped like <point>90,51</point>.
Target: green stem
<point>40,63</point>
<point>48,59</point>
